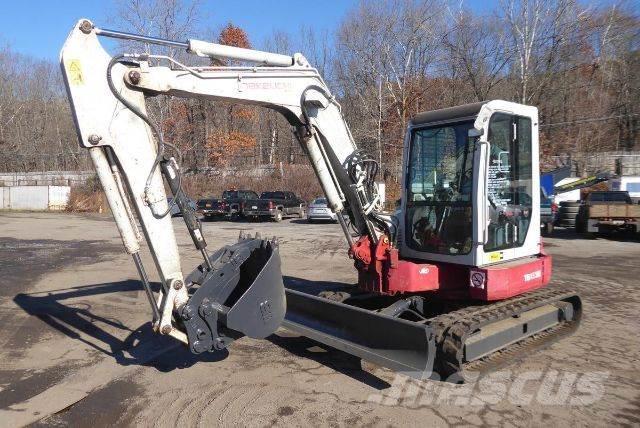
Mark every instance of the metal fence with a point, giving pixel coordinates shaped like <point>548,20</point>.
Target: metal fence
<point>45,178</point>
<point>619,163</point>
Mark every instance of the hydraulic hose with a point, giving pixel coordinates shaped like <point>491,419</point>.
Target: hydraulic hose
<point>358,158</point>
<point>154,129</point>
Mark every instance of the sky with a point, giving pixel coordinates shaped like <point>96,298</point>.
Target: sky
<point>39,27</point>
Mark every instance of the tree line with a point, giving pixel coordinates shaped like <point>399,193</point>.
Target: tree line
<point>386,61</point>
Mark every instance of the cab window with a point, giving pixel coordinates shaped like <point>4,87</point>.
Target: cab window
<point>440,181</point>
<point>509,185</point>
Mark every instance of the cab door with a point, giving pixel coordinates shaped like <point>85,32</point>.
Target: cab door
<point>512,193</point>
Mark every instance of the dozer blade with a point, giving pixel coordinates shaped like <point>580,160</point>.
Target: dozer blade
<point>242,295</point>
<point>457,346</point>
<point>400,345</point>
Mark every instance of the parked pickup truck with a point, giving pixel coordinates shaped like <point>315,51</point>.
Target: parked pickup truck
<point>231,204</point>
<point>275,206</point>
<point>213,208</point>
<point>605,212</point>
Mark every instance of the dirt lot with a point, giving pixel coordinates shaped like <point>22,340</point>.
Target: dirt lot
<point>76,346</point>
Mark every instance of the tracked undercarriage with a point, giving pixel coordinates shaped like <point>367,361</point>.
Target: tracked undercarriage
<point>455,345</point>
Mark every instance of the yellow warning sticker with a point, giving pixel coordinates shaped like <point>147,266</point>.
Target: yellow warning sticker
<point>74,70</point>
<point>495,257</point>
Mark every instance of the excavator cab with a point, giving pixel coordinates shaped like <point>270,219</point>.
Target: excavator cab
<point>469,186</point>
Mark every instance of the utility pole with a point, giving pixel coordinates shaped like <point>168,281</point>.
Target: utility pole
<point>380,122</point>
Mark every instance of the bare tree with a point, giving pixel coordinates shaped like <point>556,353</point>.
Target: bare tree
<point>477,50</point>
<point>542,32</point>
<point>169,19</point>
<point>385,51</point>
<point>36,130</point>
<point>619,43</point>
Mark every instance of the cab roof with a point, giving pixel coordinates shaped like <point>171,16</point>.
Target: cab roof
<point>451,114</point>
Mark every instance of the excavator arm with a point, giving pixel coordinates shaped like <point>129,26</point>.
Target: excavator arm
<point>301,96</point>
<point>237,290</point>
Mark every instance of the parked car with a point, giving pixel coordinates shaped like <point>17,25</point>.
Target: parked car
<point>175,209</point>
<point>275,206</point>
<point>605,212</point>
<point>548,213</point>
<point>319,210</point>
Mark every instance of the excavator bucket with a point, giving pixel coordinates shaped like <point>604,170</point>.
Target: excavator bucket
<point>242,295</point>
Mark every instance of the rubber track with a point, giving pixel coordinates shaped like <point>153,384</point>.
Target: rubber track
<point>453,328</point>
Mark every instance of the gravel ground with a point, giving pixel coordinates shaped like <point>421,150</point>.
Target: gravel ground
<point>76,346</point>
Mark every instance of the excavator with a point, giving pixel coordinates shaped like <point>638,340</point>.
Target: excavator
<point>451,286</point>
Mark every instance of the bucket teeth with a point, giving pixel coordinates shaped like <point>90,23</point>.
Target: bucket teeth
<point>244,236</point>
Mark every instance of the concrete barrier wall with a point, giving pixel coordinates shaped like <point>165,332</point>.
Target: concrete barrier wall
<point>4,197</point>
<point>37,198</point>
<point>29,198</point>
<point>58,197</point>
